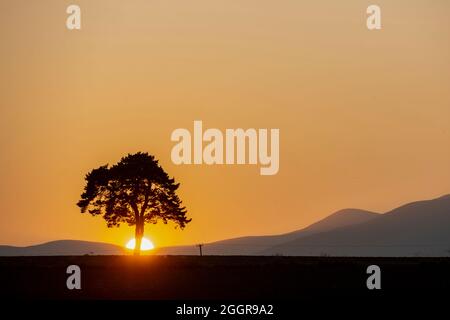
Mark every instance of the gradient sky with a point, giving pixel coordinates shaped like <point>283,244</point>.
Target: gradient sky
<point>364,116</point>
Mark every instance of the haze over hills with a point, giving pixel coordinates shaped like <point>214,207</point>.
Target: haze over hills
<point>419,228</point>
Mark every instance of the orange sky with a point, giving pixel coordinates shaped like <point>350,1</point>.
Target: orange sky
<point>363,115</point>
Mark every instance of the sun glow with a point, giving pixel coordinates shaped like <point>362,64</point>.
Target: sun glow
<point>145,244</point>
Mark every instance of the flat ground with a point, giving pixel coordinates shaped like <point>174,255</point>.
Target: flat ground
<point>215,277</point>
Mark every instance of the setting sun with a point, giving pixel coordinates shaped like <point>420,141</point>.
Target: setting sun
<point>145,244</point>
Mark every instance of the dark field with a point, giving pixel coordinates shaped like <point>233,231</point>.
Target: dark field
<point>216,277</point>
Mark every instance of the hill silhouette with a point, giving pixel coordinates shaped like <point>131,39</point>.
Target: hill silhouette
<point>419,228</point>
<point>63,248</point>
<point>253,245</point>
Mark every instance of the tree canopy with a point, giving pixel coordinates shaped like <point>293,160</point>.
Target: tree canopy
<point>134,191</point>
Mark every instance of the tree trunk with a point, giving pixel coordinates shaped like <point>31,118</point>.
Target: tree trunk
<point>139,233</point>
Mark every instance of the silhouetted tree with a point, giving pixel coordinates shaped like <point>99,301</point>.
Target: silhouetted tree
<point>134,191</point>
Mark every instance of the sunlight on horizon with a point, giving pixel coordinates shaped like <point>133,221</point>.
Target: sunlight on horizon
<point>146,244</point>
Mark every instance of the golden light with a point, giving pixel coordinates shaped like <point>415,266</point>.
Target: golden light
<point>145,244</point>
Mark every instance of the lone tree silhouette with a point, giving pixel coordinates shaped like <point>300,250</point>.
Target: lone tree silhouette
<point>134,191</point>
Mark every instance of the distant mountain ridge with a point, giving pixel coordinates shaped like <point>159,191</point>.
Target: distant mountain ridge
<point>253,245</point>
<point>420,228</point>
<point>63,248</point>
